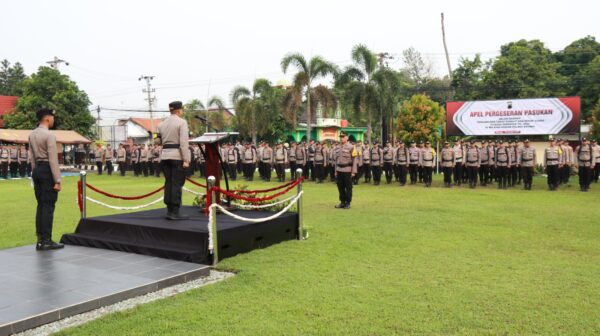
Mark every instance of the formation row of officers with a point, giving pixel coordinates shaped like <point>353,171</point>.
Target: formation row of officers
<point>472,163</point>
<point>14,161</point>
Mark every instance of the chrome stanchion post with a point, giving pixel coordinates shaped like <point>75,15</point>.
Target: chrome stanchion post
<point>300,226</point>
<point>82,177</point>
<point>213,223</point>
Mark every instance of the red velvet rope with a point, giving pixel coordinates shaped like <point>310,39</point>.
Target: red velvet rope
<point>195,183</point>
<point>257,199</point>
<point>79,196</point>
<point>127,198</point>
<point>260,191</point>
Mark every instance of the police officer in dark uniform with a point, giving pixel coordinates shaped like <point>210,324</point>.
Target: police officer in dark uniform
<point>46,178</point>
<point>346,166</point>
<point>175,158</point>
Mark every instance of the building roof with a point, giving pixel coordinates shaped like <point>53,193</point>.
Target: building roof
<point>7,104</point>
<point>22,136</point>
<point>145,123</point>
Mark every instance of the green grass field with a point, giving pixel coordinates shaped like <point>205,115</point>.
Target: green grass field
<point>405,260</point>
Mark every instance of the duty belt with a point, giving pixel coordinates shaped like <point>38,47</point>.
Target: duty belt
<point>548,159</point>
<point>171,146</point>
<point>444,160</point>
<point>505,161</point>
<point>526,159</point>
<point>469,161</point>
<point>427,160</point>
<point>403,161</point>
<point>344,165</point>
<point>414,161</point>
<point>590,160</point>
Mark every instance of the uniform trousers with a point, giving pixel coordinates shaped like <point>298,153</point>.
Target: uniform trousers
<point>46,197</point>
<point>280,170</point>
<point>402,170</point>
<point>174,181</point>
<point>151,167</point>
<point>319,171</point>
<point>447,174</point>
<point>144,168</point>
<point>512,172</point>
<point>267,171</point>
<point>157,168</point>
<point>553,177</point>
<point>249,171</point>
<point>14,169</point>
<point>387,169</point>
<point>502,175</point>
<point>585,176</point>
<point>293,168</point>
<point>344,184</point>
<point>527,175</point>
<point>472,173</point>
<point>427,174</point>
<point>109,167</point>
<point>23,169</point>
<point>413,169</point>
<point>484,171</point>
<point>458,173</point>
<point>99,166</point>
<point>122,167</point>
<point>376,171</point>
<point>366,171</point>
<point>4,170</point>
<point>232,171</point>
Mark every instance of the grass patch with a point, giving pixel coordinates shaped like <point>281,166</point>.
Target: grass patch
<point>405,260</point>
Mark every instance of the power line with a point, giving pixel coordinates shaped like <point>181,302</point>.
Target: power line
<point>149,91</point>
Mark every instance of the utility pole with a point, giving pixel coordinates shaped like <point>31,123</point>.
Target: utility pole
<point>55,62</point>
<point>98,123</point>
<point>446,49</point>
<point>149,91</point>
<point>381,58</point>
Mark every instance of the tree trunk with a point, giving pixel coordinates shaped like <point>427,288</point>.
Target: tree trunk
<point>369,127</point>
<point>384,130</point>
<point>253,130</point>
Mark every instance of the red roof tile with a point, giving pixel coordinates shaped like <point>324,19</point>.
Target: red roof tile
<point>7,104</point>
<point>145,123</point>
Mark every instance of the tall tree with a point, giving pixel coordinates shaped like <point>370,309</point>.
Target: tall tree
<point>419,69</point>
<point>596,121</point>
<point>467,78</point>
<point>195,109</point>
<point>255,108</point>
<point>420,119</point>
<point>366,89</point>
<point>11,78</point>
<point>307,72</point>
<point>524,69</point>
<point>51,89</point>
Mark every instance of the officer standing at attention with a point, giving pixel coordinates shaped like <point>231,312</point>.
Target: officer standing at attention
<point>401,161</point>
<point>23,161</point>
<point>231,158</point>
<point>458,159</point>
<point>596,152</point>
<point>484,153</point>
<point>99,156</point>
<point>346,167</point>
<point>281,159</point>
<point>121,156</point>
<point>415,158</point>
<point>473,163</point>
<point>108,156</point>
<point>448,162</point>
<point>503,164</point>
<point>366,162</point>
<point>388,162</point>
<point>4,160</point>
<point>552,163</point>
<point>175,158</point>
<point>586,163</point>
<point>427,162</point>
<point>527,160</point>
<point>46,178</point>
<point>376,162</point>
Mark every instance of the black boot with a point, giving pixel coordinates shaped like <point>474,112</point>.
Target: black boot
<point>347,206</point>
<point>48,244</point>
<point>341,205</point>
<point>176,215</point>
<point>38,245</point>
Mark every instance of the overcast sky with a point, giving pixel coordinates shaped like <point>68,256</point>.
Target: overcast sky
<point>196,48</point>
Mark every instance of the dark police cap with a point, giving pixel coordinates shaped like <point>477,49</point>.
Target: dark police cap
<point>400,142</point>
<point>427,142</point>
<point>176,105</point>
<point>412,141</point>
<point>41,113</point>
<point>343,134</point>
<point>366,142</point>
<point>526,140</point>
<point>472,142</point>
<point>584,139</point>
<point>446,143</point>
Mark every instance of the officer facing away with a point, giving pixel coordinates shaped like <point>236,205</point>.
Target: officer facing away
<point>46,178</point>
<point>175,158</point>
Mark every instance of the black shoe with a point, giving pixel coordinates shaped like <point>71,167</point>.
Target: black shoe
<point>48,245</point>
<point>347,206</point>
<point>175,215</point>
<point>340,206</point>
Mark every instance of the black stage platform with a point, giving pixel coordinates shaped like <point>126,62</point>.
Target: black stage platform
<point>149,233</point>
<point>43,287</point>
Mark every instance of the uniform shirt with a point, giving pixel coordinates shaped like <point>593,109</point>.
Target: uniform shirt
<point>503,157</point>
<point>585,156</point>
<point>99,154</point>
<point>232,156</point>
<point>291,154</point>
<point>267,155</point>
<point>108,154</point>
<point>553,156</point>
<point>596,152</point>
<point>42,147</point>
<point>415,155</point>
<point>249,155</point>
<point>366,155</point>
<point>512,153</point>
<point>144,155</point>
<point>401,157</point>
<point>121,154</point>
<point>527,157</point>
<point>135,155</point>
<point>280,155</point>
<point>345,158</point>
<point>484,154</point>
<point>388,155</point>
<point>4,155</point>
<point>427,157</point>
<point>156,153</point>
<point>492,153</point>
<point>23,155</point>
<point>311,152</point>
<point>459,153</point>
<point>14,155</point>
<point>473,157</point>
<point>321,156</point>
<point>447,155</point>
<point>300,155</point>
<point>376,157</point>
<point>174,131</point>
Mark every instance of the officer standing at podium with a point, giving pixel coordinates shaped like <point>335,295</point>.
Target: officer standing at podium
<point>46,178</point>
<point>175,158</point>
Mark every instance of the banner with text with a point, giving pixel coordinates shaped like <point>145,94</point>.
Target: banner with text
<point>538,116</point>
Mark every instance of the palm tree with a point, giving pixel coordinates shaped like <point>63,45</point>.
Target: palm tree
<point>195,109</point>
<point>307,73</point>
<point>367,89</point>
<point>253,107</point>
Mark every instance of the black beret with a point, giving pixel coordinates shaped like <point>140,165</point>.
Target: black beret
<point>584,139</point>
<point>176,105</point>
<point>342,134</point>
<point>526,140</point>
<point>401,142</point>
<point>446,143</point>
<point>41,113</point>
